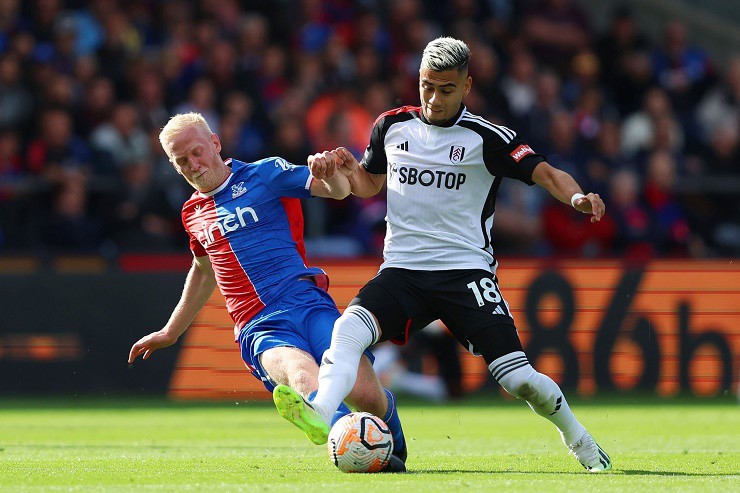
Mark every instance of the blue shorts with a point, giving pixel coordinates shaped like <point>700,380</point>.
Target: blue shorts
<point>303,318</point>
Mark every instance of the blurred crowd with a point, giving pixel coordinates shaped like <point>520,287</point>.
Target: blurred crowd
<point>85,87</point>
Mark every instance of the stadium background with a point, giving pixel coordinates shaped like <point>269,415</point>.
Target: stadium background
<point>638,100</point>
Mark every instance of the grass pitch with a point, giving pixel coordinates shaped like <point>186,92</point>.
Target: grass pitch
<point>481,445</point>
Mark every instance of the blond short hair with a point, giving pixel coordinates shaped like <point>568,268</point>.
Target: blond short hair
<point>445,53</point>
<point>179,123</point>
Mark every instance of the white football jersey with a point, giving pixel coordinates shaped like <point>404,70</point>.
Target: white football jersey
<point>442,183</point>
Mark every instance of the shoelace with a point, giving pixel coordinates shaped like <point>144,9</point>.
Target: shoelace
<point>594,451</point>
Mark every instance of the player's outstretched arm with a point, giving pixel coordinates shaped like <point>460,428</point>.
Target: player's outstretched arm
<point>563,187</point>
<point>327,182</point>
<point>363,184</point>
<point>198,288</point>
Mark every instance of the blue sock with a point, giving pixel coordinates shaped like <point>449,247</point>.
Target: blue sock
<point>394,423</point>
<point>343,410</point>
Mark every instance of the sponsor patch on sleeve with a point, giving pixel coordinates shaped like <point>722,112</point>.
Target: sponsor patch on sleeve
<point>521,151</point>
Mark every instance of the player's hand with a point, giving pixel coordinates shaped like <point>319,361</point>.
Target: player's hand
<point>591,204</point>
<point>322,165</point>
<point>148,344</point>
<point>346,162</point>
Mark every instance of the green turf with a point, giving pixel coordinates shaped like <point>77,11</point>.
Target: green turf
<point>496,445</point>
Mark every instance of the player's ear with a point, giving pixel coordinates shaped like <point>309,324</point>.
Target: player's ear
<point>216,142</point>
<point>467,86</point>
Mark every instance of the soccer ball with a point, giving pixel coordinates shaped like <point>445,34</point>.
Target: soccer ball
<point>360,442</point>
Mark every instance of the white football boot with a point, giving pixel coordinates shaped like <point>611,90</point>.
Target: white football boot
<point>590,455</point>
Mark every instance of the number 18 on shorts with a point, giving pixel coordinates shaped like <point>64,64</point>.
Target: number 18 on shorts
<point>486,290</point>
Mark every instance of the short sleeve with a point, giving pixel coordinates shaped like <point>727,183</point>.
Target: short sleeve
<point>285,179</point>
<point>374,160</point>
<point>513,159</point>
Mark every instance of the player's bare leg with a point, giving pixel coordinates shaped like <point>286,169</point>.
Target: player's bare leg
<point>338,378</point>
<point>296,374</point>
<point>367,394</point>
<point>292,367</point>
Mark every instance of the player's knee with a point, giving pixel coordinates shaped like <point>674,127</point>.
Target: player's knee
<point>303,380</point>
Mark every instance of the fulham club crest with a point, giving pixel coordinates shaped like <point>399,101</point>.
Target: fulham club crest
<point>456,154</point>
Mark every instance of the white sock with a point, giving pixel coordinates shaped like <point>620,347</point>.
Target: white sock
<point>543,395</point>
<point>353,332</point>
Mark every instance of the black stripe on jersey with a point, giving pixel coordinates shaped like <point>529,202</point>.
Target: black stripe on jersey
<point>488,209</point>
<point>486,130</point>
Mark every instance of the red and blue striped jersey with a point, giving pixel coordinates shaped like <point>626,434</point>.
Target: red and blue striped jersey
<point>251,227</point>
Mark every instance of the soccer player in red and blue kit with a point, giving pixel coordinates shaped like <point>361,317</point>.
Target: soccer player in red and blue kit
<point>245,226</point>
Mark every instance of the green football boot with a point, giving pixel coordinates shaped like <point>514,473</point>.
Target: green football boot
<point>291,406</point>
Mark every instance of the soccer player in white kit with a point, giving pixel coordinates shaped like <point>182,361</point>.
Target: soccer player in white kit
<point>443,167</point>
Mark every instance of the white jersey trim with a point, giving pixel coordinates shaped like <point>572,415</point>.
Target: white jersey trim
<point>220,187</point>
<point>505,133</point>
